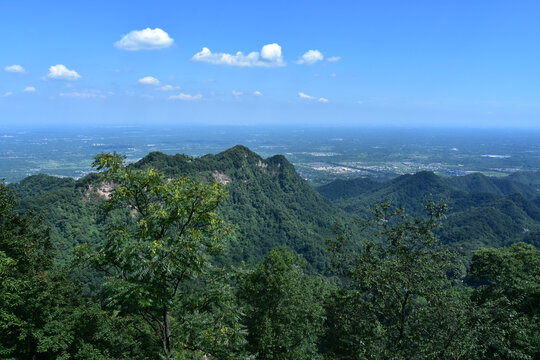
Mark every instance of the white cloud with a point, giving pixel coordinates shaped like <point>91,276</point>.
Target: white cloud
<point>169,88</point>
<point>309,97</point>
<point>76,94</point>
<point>61,72</point>
<point>305,96</point>
<point>9,93</point>
<point>183,96</point>
<point>270,56</point>
<point>257,93</point>
<point>333,75</point>
<point>333,58</point>
<point>271,52</point>
<point>149,80</point>
<point>29,89</point>
<point>14,69</point>
<point>237,93</point>
<point>311,57</point>
<point>86,94</point>
<point>146,39</point>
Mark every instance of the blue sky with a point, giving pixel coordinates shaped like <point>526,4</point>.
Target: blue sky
<point>473,63</point>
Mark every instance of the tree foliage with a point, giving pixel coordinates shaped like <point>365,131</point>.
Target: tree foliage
<point>285,313</point>
<point>156,257</point>
<point>397,301</point>
<point>509,297</point>
<point>43,313</point>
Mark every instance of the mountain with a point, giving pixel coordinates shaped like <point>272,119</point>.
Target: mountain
<point>410,191</point>
<point>480,183</point>
<point>268,202</point>
<point>531,178</point>
<point>482,210</point>
<point>345,189</point>
<point>72,219</point>
<point>271,205</point>
<point>498,221</point>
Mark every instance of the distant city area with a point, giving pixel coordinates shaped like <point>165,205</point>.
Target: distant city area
<point>320,155</point>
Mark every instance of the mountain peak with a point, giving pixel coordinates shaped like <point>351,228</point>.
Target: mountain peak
<point>239,150</point>
<point>424,179</point>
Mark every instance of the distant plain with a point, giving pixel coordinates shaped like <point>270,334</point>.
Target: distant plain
<point>319,154</point>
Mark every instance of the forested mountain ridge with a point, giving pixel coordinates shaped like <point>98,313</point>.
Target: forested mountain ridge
<point>71,218</point>
<point>271,205</point>
<point>483,211</point>
<point>425,182</point>
<point>480,183</point>
<point>268,202</point>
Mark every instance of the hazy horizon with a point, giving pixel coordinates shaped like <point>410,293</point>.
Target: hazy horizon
<point>319,154</point>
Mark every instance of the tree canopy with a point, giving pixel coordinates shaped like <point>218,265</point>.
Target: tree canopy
<point>160,238</point>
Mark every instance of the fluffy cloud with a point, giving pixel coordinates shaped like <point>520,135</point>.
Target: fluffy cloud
<point>237,93</point>
<point>269,56</point>
<point>257,93</point>
<point>169,88</point>
<point>146,39</point>
<point>14,69</point>
<point>9,93</point>
<point>309,97</point>
<point>183,96</point>
<point>29,89</point>
<point>271,52</point>
<point>333,58</point>
<point>61,72</point>
<point>149,80</point>
<point>311,57</point>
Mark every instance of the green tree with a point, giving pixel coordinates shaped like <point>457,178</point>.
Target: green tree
<point>508,296</point>
<point>396,300</point>
<point>42,312</point>
<point>24,256</point>
<point>160,240</point>
<point>285,312</point>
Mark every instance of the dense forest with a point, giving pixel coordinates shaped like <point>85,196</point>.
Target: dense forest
<point>232,256</point>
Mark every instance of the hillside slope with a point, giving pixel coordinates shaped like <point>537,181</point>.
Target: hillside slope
<point>482,210</point>
<point>269,203</point>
